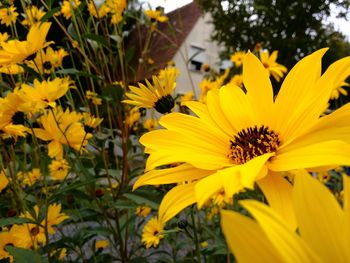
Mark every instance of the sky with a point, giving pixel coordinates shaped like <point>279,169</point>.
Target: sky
<point>340,24</point>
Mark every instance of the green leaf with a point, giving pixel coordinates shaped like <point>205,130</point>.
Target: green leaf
<point>14,220</point>
<point>22,255</point>
<point>140,200</point>
<point>49,14</point>
<point>97,38</point>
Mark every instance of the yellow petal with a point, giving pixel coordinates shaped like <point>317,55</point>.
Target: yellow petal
<point>288,244</point>
<point>236,107</point>
<point>55,150</point>
<point>329,153</point>
<point>246,240</point>
<point>207,187</point>
<point>181,173</point>
<point>295,95</point>
<point>278,192</point>
<point>259,89</point>
<point>175,201</point>
<point>319,218</point>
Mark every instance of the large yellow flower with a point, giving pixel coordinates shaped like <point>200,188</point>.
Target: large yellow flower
<point>240,138</point>
<point>62,128</point>
<point>15,51</point>
<point>323,226</point>
<point>276,70</point>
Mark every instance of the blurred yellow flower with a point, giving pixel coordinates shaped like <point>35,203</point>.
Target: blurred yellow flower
<point>101,244</point>
<point>143,211</point>
<point>29,178</point>
<point>15,51</point>
<point>150,124</point>
<point>90,95</point>
<point>3,180</point>
<point>323,227</point>
<point>152,232</point>
<point>8,15</point>
<point>33,15</point>
<point>68,6</point>
<point>188,96</point>
<point>156,15</point>
<point>237,58</point>
<point>90,122</point>
<point>47,61</point>
<point>276,70</point>
<point>339,90</point>
<point>59,169</point>
<point>237,80</point>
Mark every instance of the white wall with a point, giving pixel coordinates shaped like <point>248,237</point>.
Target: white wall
<point>199,37</point>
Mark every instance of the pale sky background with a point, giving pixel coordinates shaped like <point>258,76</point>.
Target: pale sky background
<point>169,5</point>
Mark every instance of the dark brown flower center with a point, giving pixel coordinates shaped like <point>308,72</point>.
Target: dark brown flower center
<point>34,231</point>
<point>165,104</point>
<point>253,142</point>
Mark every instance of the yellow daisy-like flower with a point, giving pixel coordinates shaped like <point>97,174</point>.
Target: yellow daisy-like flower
<point>12,115</point>
<point>98,11</point>
<point>158,95</point>
<point>13,69</point>
<point>44,94</point>
<point>152,232</point>
<point>68,6</point>
<point>133,116</point>
<point>150,124</point>
<point>340,90</point>
<point>156,15</point>
<point>143,211</point>
<point>188,96</point>
<point>59,169</point>
<point>33,15</point>
<point>276,70</point>
<point>47,61</point>
<point>237,58</point>
<point>29,178</point>
<point>101,244</point>
<point>239,139</point>
<point>90,122</point>
<point>8,15</point>
<point>15,51</point>
<point>62,128</point>
<point>116,8</point>
<point>237,80</point>
<point>8,239</point>
<point>3,180</point>
<point>323,227</point>
<point>90,95</point>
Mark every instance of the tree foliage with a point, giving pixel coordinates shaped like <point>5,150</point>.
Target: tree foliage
<point>295,28</point>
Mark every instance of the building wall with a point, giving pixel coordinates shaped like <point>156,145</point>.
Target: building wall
<point>199,37</point>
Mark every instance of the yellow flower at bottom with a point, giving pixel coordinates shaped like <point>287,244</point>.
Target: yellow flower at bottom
<point>8,239</point>
<point>143,211</point>
<point>323,227</point>
<point>152,232</point>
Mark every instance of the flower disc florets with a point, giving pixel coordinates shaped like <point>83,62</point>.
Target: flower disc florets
<point>253,142</point>
<point>164,104</point>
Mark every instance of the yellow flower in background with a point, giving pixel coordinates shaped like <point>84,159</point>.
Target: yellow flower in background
<point>33,15</point>
<point>54,217</point>
<point>143,211</point>
<point>116,8</point>
<point>47,61</point>
<point>98,11</point>
<point>152,232</point>
<point>15,51</point>
<point>12,115</point>
<point>323,227</point>
<point>205,85</point>
<point>156,15</point>
<point>59,169</point>
<point>3,180</point>
<point>68,6</point>
<point>90,122</point>
<point>8,239</point>
<point>62,128</point>
<point>158,95</point>
<point>11,69</point>
<point>3,37</point>
<point>8,15</point>
<point>237,80</point>
<point>90,95</point>
<point>237,58</point>
<point>150,124</point>
<point>238,139</point>
<point>340,90</point>
<point>188,96</point>
<point>133,116</point>
<point>276,70</point>
<point>44,94</point>
<point>101,244</point>
<point>29,178</point>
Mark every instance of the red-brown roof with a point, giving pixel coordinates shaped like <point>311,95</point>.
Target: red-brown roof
<point>164,42</point>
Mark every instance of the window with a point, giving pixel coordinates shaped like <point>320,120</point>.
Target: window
<point>197,58</point>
